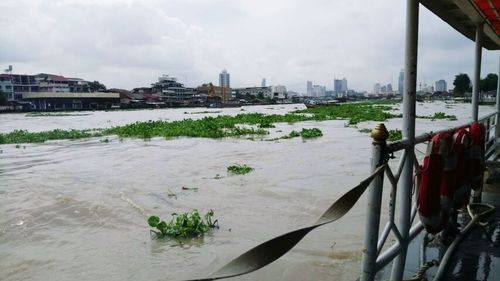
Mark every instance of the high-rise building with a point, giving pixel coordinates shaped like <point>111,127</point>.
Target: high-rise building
<point>224,79</point>
<point>389,88</point>
<point>319,91</point>
<point>376,88</point>
<point>263,83</point>
<point>344,85</point>
<point>337,85</point>
<point>441,86</point>
<point>309,88</point>
<point>401,81</point>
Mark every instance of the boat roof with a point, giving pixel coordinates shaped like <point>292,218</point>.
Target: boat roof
<point>465,15</point>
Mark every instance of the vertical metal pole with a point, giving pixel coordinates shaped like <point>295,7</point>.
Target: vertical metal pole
<point>477,72</point>
<point>497,121</point>
<point>379,135</point>
<point>408,130</point>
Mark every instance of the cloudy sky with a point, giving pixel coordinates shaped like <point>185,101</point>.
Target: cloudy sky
<point>128,44</point>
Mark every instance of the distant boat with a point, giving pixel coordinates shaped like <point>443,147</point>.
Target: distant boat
<point>313,104</point>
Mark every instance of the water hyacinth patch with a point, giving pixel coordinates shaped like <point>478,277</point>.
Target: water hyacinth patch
<point>239,169</point>
<point>395,135</point>
<point>311,133</point>
<point>184,225</point>
<point>23,136</point>
<point>439,116</point>
<point>213,127</point>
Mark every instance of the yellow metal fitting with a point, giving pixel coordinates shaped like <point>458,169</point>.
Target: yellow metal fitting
<point>380,133</point>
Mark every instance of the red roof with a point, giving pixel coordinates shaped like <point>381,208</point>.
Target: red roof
<point>491,10</point>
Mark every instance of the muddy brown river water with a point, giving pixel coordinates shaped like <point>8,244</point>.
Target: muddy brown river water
<point>77,210</point>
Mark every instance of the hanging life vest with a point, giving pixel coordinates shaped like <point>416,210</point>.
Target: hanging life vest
<point>476,154</point>
<point>437,184</point>
<point>461,146</point>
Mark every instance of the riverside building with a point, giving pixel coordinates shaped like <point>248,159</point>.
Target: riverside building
<point>173,93</point>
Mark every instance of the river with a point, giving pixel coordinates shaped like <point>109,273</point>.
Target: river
<point>77,210</point>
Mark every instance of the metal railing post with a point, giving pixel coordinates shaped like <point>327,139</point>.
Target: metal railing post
<point>477,72</point>
<point>379,135</point>
<point>497,119</point>
<point>408,130</point>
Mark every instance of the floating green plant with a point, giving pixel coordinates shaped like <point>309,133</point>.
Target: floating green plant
<point>439,116</point>
<point>311,133</point>
<point>239,169</point>
<point>266,125</point>
<point>395,135</point>
<point>292,134</point>
<point>23,136</point>
<point>214,127</point>
<point>185,225</point>
<point>353,112</point>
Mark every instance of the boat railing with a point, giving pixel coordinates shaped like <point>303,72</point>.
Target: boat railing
<point>375,256</point>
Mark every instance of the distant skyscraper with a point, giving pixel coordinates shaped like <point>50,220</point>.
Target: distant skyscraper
<point>337,85</point>
<point>344,85</point>
<point>401,81</point>
<point>318,91</point>
<point>224,79</point>
<point>376,88</point>
<point>309,88</point>
<point>389,88</point>
<point>441,86</point>
<point>263,83</point>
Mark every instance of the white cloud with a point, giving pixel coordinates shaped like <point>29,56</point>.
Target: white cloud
<point>129,43</point>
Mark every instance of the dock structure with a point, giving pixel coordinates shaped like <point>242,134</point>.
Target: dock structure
<point>49,101</point>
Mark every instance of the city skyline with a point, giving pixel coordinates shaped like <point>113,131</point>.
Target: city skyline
<point>170,37</point>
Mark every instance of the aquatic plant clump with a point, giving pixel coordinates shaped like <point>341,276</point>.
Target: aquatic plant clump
<point>239,169</point>
<point>23,136</point>
<point>311,133</point>
<point>185,225</point>
<point>439,116</point>
<point>266,125</point>
<point>207,127</point>
<point>214,127</point>
<point>353,112</point>
<point>395,135</point>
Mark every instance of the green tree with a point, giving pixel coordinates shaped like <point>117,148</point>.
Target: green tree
<point>462,84</point>
<point>94,87</point>
<point>489,83</point>
<point>3,98</point>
